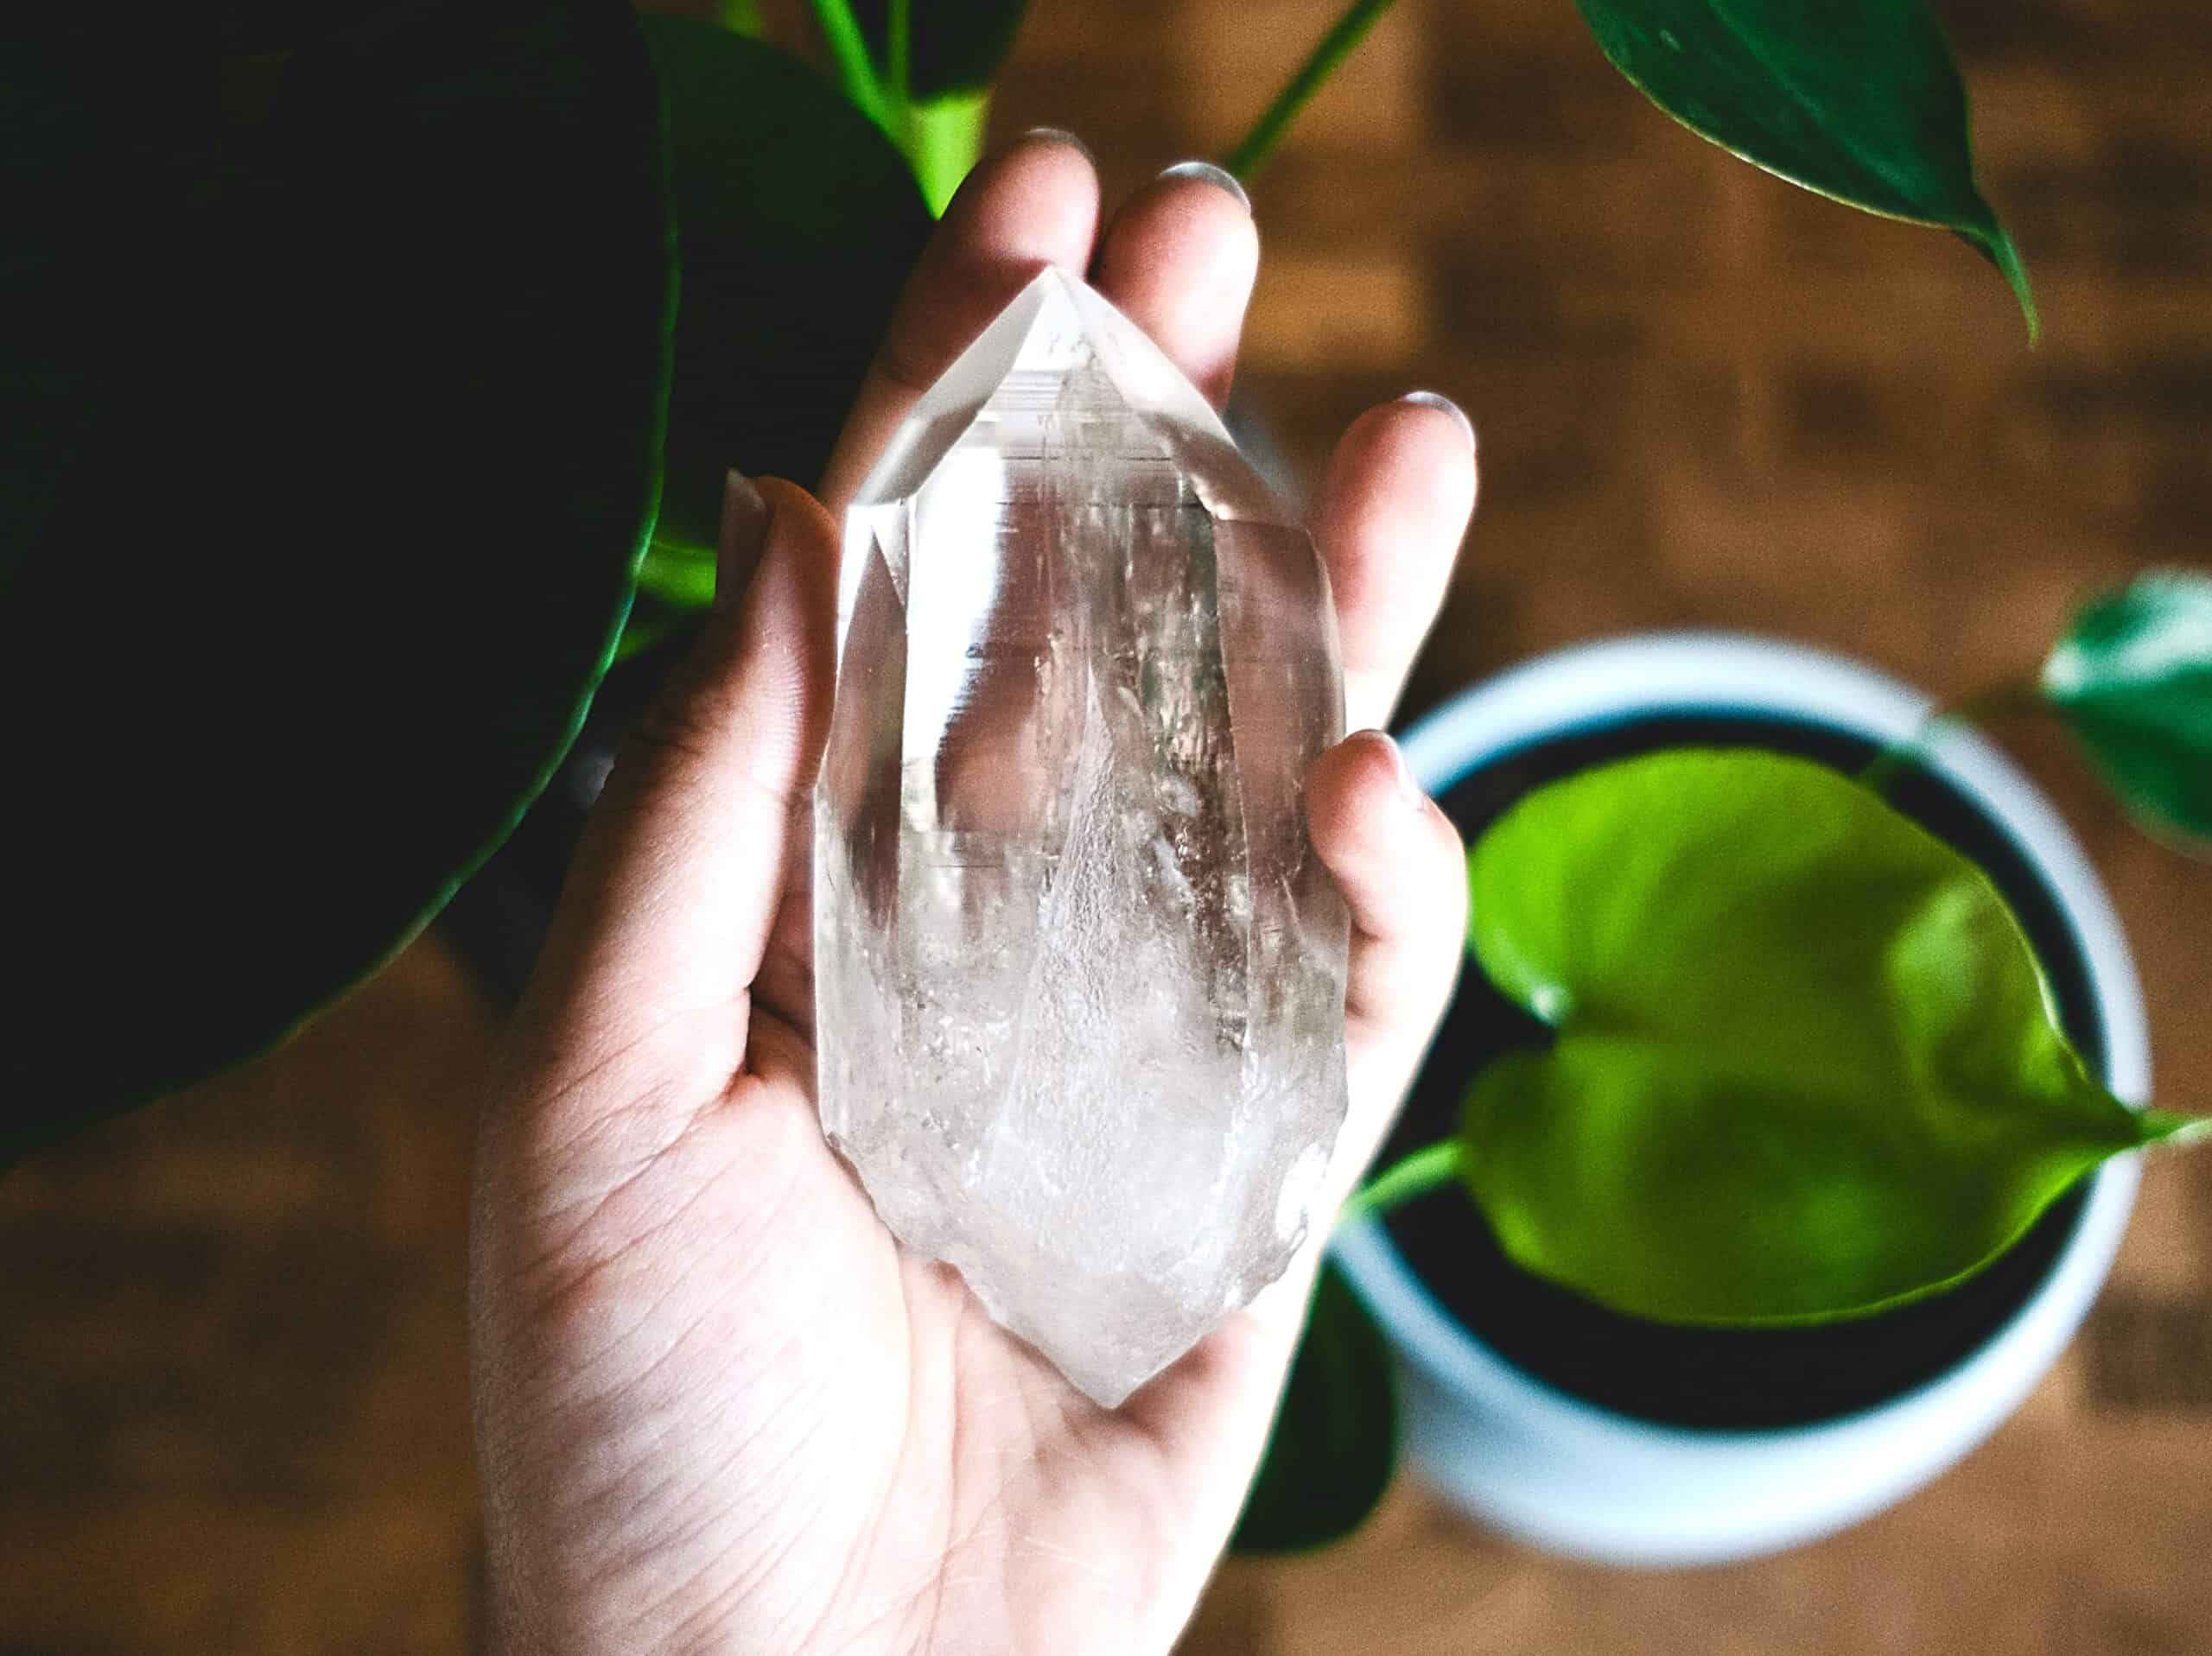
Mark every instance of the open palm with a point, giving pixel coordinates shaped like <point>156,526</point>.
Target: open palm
<point>718,1408</point>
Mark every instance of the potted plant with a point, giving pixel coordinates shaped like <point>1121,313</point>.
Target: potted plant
<point>1837,1224</point>
<point>418,368</point>
<point>1778,1136</point>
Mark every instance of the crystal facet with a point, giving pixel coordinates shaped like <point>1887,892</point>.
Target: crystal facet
<point>1079,977</point>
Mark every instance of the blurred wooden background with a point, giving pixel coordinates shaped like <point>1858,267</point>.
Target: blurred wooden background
<point>232,1410</point>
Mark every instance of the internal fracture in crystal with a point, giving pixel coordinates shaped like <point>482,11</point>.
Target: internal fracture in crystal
<point>1079,977</point>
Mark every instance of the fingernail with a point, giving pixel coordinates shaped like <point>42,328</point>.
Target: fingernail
<point>1409,790</point>
<point>1056,135</point>
<point>744,527</point>
<point>1206,172</point>
<point>1443,404</point>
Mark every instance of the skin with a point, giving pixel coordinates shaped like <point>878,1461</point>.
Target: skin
<point>718,1408</point>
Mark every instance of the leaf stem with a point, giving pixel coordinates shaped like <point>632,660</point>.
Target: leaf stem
<point>840,32</point>
<point>944,140</point>
<point>899,32</point>
<point>1403,1180</point>
<point>1985,707</point>
<point>2157,1126</point>
<point>1246,160</point>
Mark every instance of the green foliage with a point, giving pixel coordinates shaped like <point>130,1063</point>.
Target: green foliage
<point>1858,99</point>
<point>1258,146</point>
<point>2132,679</point>
<point>952,45</point>
<point>1336,1438</point>
<point>1804,1067</point>
<point>681,577</point>
<point>797,223</point>
<point>330,434</point>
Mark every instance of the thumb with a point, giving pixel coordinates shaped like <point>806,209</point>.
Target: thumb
<point>669,906</point>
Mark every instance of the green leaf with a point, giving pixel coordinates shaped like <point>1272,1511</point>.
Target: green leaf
<point>796,224</point>
<point>2133,679</point>
<point>328,436</point>
<point>1335,1442</point>
<point>944,138</point>
<point>682,577</point>
<point>954,45</point>
<point>1804,1066</point>
<point>1858,99</point>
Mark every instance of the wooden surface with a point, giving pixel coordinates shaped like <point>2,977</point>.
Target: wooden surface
<point>232,1397</point>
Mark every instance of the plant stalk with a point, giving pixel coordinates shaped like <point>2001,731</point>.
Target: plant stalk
<point>899,46</point>
<point>1984,708</point>
<point>944,140</point>
<point>841,33</point>
<point>1415,1174</point>
<point>2166,1127</point>
<point>1250,156</point>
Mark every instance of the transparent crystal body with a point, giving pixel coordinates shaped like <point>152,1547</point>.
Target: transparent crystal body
<point>1079,977</point>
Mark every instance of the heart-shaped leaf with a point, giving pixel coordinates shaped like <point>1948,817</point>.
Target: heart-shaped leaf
<point>2132,679</point>
<point>1858,99</point>
<point>797,223</point>
<point>1335,1442</point>
<point>1804,1067</point>
<point>331,430</point>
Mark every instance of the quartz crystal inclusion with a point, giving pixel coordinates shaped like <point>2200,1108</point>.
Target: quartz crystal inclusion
<point>1079,977</point>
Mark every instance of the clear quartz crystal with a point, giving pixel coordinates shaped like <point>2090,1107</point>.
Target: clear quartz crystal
<point>1078,974</point>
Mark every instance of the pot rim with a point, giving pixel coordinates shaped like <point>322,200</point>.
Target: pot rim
<point>1737,674</point>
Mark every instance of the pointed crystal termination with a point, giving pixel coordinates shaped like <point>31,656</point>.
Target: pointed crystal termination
<point>1079,977</point>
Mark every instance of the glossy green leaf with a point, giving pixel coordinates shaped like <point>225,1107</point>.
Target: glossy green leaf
<point>1858,99</point>
<point>2132,679</point>
<point>328,427</point>
<point>1335,1442</point>
<point>797,223</point>
<point>953,46</point>
<point>1803,1067</point>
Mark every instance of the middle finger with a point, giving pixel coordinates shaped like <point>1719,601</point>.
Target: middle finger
<point>1035,205</point>
<point>1179,260</point>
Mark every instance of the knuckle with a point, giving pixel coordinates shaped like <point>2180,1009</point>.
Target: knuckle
<point>684,724</point>
<point>673,727</point>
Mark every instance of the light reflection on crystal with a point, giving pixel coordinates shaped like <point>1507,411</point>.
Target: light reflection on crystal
<point>1079,977</point>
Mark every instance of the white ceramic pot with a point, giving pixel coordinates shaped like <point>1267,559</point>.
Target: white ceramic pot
<point>1527,1458</point>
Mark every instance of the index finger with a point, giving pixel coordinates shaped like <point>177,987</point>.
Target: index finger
<point>1035,205</point>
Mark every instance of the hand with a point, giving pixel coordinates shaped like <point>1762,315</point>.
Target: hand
<point>717,1407</point>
